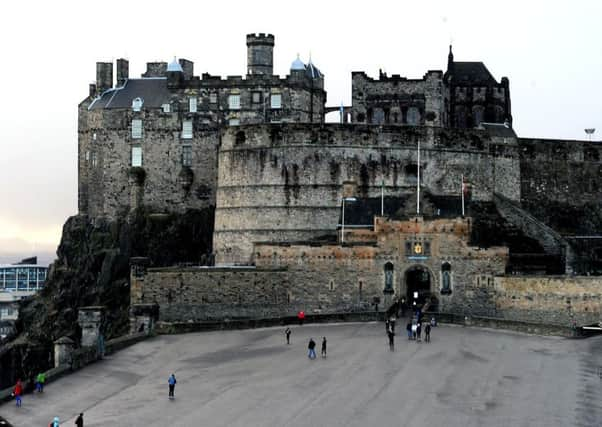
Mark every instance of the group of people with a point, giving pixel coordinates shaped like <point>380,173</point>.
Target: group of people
<point>414,330</point>
<point>40,380</point>
<point>312,348</point>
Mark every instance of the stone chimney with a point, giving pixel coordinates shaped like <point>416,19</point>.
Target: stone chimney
<point>123,71</point>
<point>104,76</point>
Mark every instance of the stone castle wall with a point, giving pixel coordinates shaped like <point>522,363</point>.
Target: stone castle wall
<point>109,187</point>
<point>284,182</point>
<point>549,299</point>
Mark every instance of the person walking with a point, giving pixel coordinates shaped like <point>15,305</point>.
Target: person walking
<point>391,335</point>
<point>409,330</point>
<point>79,422</point>
<point>40,380</point>
<point>172,385</point>
<point>55,422</point>
<point>427,333</point>
<point>418,330</point>
<point>414,329</point>
<point>323,346</point>
<point>17,392</point>
<point>301,317</point>
<point>287,332</point>
<point>312,349</point>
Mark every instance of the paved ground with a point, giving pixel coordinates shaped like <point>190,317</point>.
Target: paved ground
<point>465,377</point>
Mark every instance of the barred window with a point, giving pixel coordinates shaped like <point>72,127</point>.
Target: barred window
<point>234,102</point>
<point>166,108</point>
<point>136,129</point>
<point>186,155</point>
<point>187,129</point>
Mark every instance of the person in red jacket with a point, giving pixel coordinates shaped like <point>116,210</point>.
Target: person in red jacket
<point>18,391</point>
<point>301,317</point>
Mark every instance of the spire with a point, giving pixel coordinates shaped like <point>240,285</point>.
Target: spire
<point>450,58</point>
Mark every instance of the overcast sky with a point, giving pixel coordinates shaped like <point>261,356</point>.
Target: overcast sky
<point>550,50</point>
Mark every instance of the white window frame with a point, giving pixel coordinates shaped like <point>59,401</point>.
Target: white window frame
<point>234,101</point>
<point>136,129</point>
<point>213,98</point>
<point>187,131</point>
<point>276,101</point>
<point>136,160</point>
<point>234,122</point>
<point>137,104</point>
<point>192,104</point>
<point>166,108</point>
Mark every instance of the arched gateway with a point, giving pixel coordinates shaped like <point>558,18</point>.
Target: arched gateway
<point>418,286</point>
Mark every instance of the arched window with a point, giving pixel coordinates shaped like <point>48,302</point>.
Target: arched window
<point>446,285</point>
<point>388,277</point>
<point>413,116</point>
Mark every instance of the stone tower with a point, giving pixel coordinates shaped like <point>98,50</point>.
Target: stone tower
<point>260,54</point>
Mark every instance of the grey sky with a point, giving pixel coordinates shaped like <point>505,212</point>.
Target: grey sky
<point>550,50</point>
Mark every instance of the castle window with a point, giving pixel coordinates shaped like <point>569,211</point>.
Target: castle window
<point>331,285</point>
<point>213,98</point>
<point>87,156</point>
<point>360,289</point>
<point>276,100</point>
<point>411,173</point>
<point>388,277</point>
<point>187,129</point>
<point>413,116</point>
<point>234,102</point>
<point>94,159</point>
<point>186,155</point>
<point>136,129</point>
<point>446,279</point>
<point>233,122</point>
<point>256,97</point>
<point>137,104</point>
<point>166,108</point>
<point>192,104</point>
<point>137,156</point>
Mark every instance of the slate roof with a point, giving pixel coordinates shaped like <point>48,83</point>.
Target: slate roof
<point>499,129</point>
<point>152,90</point>
<point>472,73</point>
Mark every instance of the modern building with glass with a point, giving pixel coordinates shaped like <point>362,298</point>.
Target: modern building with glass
<point>18,281</point>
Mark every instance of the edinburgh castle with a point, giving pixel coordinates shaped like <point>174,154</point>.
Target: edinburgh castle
<point>421,192</point>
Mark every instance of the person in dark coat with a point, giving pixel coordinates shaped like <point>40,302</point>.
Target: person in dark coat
<point>79,422</point>
<point>418,330</point>
<point>287,332</point>
<point>427,333</point>
<point>312,349</point>
<point>409,330</point>
<point>391,336</point>
<point>323,346</point>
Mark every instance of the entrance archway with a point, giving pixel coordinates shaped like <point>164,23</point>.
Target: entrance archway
<point>418,286</point>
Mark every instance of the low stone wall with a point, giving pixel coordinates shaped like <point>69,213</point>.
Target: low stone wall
<point>81,357</point>
<point>551,300</point>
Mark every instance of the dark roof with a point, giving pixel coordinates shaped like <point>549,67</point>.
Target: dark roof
<point>153,92</point>
<point>472,73</point>
<point>312,71</point>
<point>363,210</point>
<point>499,129</point>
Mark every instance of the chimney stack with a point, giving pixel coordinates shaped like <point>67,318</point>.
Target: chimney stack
<point>123,71</point>
<point>104,76</point>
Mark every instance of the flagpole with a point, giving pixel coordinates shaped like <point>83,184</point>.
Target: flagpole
<point>418,181</point>
<point>462,190</point>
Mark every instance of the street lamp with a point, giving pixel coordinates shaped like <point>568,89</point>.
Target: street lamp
<point>345,199</point>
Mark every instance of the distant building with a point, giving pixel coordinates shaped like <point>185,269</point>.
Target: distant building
<point>17,281</point>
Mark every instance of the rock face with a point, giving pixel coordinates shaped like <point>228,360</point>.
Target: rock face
<point>92,268</point>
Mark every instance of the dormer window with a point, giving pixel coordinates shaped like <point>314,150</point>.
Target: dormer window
<point>137,104</point>
<point>192,104</point>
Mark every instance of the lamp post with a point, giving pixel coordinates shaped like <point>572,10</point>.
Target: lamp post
<point>345,199</point>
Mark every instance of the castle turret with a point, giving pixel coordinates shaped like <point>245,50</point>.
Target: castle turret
<point>175,75</point>
<point>260,54</point>
<point>104,76</point>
